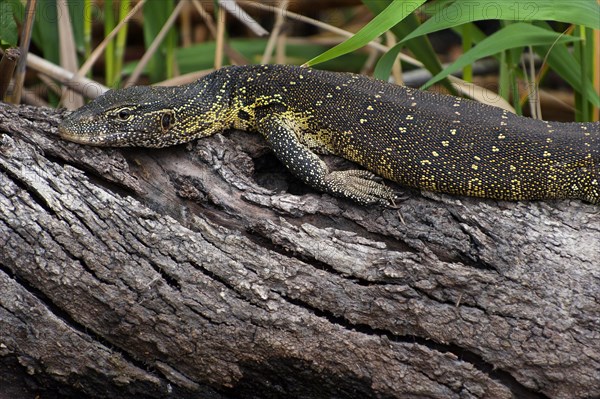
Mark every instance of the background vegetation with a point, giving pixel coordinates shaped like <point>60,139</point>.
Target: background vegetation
<point>531,44</point>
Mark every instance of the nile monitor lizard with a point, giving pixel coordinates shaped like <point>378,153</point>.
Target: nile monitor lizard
<point>420,139</point>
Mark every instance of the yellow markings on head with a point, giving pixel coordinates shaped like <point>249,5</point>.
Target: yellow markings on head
<point>435,153</point>
<point>513,168</point>
<point>495,149</point>
<point>370,108</point>
<point>329,95</point>
<point>474,167</point>
<point>402,129</point>
<point>453,131</point>
<point>425,162</point>
<point>445,143</point>
<point>477,158</point>
<point>409,117</point>
<point>362,120</point>
<point>547,154</point>
<point>501,136</point>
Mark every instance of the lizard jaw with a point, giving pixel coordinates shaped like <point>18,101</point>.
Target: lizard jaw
<point>111,139</point>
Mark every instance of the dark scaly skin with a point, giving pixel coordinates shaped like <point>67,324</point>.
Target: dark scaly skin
<point>420,139</point>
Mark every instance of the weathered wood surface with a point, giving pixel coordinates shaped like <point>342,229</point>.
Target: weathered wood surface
<point>206,271</point>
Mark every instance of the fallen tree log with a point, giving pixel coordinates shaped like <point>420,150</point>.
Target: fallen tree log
<point>207,271</point>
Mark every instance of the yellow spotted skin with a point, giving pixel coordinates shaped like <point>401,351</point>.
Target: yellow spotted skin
<point>419,139</point>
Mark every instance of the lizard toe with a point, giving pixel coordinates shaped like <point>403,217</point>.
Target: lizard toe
<point>361,186</point>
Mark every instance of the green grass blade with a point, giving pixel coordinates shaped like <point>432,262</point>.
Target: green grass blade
<point>588,60</point>
<point>156,13</point>
<point>584,53</point>
<point>450,13</point>
<point>120,42</point>
<point>467,44</point>
<point>8,26</point>
<point>559,58</point>
<point>504,75</point>
<point>87,30</point>
<point>46,28</point>
<point>512,36</point>
<point>582,104</point>
<point>394,13</point>
<point>420,47</point>
<point>109,51</point>
<point>76,12</point>
<point>515,71</point>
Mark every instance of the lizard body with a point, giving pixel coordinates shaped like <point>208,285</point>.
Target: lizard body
<point>420,139</point>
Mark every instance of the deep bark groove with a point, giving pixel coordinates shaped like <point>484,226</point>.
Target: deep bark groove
<point>207,271</point>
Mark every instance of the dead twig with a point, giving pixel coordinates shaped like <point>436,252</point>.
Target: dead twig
<point>7,68</point>
<point>234,9</point>
<point>24,49</point>
<point>135,75</point>
<point>279,20</point>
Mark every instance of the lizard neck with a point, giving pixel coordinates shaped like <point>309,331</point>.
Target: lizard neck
<point>206,106</point>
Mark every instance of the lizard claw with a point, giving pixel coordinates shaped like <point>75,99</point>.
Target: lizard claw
<point>361,186</point>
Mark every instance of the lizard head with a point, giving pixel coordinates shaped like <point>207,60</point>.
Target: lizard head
<point>144,116</point>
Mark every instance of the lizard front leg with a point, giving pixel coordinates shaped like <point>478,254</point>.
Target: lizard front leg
<point>361,186</point>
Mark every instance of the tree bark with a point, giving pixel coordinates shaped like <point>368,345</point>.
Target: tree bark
<point>207,271</point>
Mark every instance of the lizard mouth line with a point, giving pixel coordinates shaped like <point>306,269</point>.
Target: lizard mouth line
<point>95,139</point>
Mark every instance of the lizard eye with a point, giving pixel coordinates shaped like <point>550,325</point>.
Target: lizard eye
<point>124,114</point>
